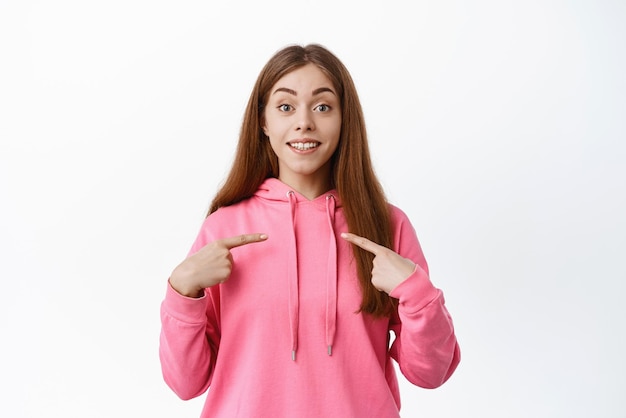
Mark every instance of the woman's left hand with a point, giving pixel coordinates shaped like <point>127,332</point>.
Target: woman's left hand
<point>390,268</point>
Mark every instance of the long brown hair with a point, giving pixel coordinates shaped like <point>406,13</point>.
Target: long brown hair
<point>363,200</point>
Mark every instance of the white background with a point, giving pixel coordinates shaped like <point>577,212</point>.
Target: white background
<point>498,126</point>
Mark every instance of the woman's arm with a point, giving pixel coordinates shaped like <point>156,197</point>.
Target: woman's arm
<point>425,346</point>
<point>189,342</point>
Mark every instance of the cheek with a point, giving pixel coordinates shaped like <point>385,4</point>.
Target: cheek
<point>337,132</point>
<point>275,144</point>
<point>273,127</point>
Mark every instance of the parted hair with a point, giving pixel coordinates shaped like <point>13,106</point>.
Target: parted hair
<point>364,203</point>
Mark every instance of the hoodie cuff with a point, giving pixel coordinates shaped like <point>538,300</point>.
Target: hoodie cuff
<point>416,291</point>
<point>183,308</point>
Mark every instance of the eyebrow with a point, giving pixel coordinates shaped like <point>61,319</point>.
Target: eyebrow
<point>294,93</point>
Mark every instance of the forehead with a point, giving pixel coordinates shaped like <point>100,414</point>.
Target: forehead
<point>304,79</point>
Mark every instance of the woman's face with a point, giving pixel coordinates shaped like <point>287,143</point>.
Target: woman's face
<point>303,122</point>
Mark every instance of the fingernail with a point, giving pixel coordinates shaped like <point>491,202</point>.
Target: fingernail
<point>263,236</point>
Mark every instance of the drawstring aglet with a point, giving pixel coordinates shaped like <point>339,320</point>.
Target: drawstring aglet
<point>330,350</point>
<point>293,355</point>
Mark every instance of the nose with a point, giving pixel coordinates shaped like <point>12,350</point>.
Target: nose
<point>305,121</point>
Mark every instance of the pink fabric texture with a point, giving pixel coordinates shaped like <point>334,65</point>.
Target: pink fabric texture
<point>283,336</point>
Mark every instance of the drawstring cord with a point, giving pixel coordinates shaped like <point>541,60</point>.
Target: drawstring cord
<point>292,274</point>
<point>331,276</point>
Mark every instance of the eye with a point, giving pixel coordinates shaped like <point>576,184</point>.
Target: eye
<point>285,107</point>
<point>323,108</point>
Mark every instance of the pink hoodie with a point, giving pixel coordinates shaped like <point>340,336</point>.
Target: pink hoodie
<point>283,336</point>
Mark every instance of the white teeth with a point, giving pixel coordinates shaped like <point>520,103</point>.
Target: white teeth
<point>303,146</point>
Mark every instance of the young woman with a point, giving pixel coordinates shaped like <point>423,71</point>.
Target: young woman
<point>302,269</point>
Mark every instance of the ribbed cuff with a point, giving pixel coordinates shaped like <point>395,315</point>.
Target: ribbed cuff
<point>183,308</point>
<point>416,291</point>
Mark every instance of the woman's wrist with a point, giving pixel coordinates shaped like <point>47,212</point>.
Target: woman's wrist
<point>185,290</point>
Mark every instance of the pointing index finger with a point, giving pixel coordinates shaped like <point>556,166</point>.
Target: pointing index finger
<point>244,239</point>
<point>364,243</point>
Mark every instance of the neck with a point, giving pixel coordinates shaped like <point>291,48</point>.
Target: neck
<point>306,187</point>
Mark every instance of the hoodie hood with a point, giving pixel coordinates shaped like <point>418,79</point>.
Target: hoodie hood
<point>275,190</point>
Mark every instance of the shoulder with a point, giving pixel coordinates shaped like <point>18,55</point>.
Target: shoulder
<point>223,222</point>
<point>229,212</point>
<point>406,242</point>
<point>398,216</point>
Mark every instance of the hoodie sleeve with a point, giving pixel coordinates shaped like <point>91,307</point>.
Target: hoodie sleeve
<point>425,346</point>
<point>190,337</point>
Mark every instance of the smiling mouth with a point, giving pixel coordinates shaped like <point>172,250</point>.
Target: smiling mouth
<point>304,146</point>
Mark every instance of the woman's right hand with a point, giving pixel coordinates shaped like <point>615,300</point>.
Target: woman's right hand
<point>211,265</point>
